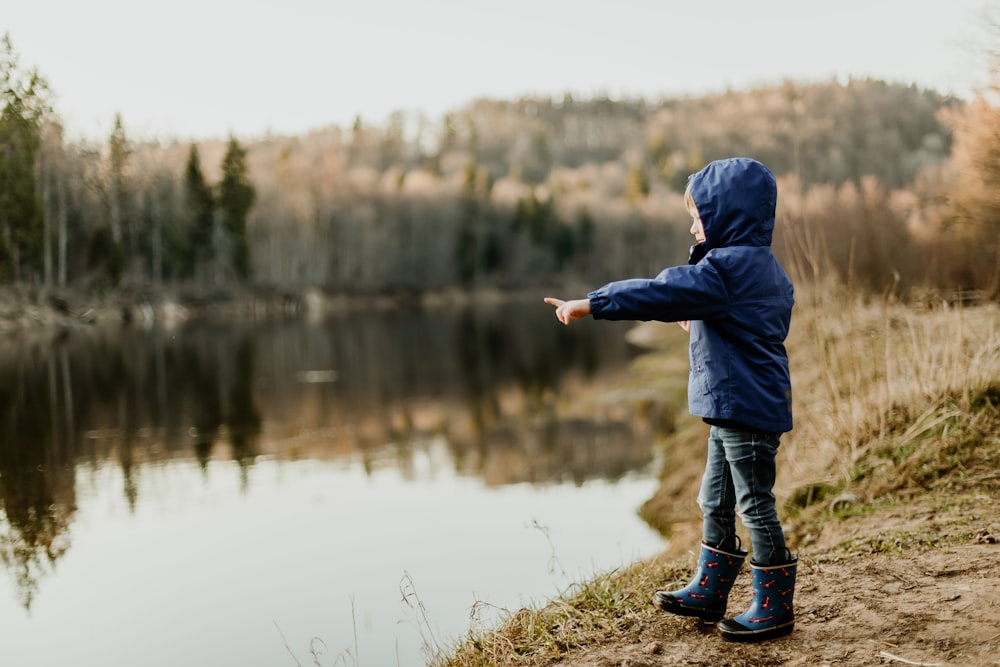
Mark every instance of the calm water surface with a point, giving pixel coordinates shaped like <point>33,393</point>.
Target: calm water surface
<point>356,491</point>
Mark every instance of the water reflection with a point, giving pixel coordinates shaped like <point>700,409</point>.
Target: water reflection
<point>497,386</point>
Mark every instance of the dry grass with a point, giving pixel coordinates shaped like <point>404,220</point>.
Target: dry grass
<point>610,606</point>
<point>859,365</point>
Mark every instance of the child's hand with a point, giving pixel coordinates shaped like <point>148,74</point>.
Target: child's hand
<point>567,311</point>
<point>686,325</point>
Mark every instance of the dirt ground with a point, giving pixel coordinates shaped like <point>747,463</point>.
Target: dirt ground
<point>904,584</point>
<point>941,608</point>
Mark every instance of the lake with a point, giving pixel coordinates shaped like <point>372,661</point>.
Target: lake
<point>357,490</point>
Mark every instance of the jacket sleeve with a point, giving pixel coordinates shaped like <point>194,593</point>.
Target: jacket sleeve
<point>679,293</point>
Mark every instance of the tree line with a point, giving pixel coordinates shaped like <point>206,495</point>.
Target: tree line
<point>76,214</point>
<point>874,179</point>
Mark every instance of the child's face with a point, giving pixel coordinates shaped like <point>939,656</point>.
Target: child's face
<point>697,229</point>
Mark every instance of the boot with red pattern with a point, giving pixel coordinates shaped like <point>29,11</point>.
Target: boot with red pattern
<point>706,596</point>
<point>770,614</point>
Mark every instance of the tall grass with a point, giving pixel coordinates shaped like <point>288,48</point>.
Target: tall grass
<point>856,361</point>
<point>611,606</point>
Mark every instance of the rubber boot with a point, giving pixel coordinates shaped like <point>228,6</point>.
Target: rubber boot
<point>706,596</point>
<point>770,614</point>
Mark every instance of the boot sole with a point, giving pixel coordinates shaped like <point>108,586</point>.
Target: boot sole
<point>672,606</point>
<point>747,635</point>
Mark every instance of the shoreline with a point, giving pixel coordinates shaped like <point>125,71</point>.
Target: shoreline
<point>31,311</point>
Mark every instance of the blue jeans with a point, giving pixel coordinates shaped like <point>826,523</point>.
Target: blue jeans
<point>739,475</point>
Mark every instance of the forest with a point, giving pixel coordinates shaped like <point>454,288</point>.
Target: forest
<point>885,186</point>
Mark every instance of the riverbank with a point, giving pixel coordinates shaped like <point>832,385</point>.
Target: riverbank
<point>890,496</point>
<point>47,312</point>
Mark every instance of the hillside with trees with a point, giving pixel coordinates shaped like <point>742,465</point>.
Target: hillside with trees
<point>499,194</point>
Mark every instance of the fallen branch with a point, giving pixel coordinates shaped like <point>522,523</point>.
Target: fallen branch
<point>890,656</point>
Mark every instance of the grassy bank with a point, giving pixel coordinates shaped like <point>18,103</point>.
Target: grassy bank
<point>895,454</point>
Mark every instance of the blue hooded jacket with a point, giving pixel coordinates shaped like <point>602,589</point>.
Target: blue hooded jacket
<point>736,294</point>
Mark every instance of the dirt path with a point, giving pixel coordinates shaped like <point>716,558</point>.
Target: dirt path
<point>935,608</point>
<point>915,583</point>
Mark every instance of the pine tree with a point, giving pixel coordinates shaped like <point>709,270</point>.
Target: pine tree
<point>199,210</point>
<point>466,240</point>
<point>236,197</point>
<point>119,151</point>
<point>23,106</point>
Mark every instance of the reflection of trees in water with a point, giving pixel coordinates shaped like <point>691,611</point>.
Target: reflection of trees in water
<point>553,450</point>
<point>486,380</point>
<point>124,398</point>
<point>377,387</point>
<point>532,443</point>
<point>243,418</point>
<point>34,534</point>
<point>36,478</point>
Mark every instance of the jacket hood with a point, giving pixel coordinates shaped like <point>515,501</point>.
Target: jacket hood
<point>736,200</point>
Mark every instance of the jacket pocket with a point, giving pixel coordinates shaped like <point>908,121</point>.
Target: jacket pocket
<point>699,383</point>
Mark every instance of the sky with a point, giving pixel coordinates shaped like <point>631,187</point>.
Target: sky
<point>198,69</point>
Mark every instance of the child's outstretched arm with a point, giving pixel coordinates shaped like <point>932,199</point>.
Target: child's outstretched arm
<point>567,311</point>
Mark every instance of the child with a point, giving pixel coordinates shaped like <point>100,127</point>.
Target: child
<point>735,300</point>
